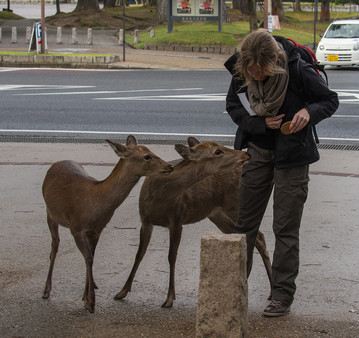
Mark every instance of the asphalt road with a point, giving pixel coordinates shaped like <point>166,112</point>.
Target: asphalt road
<point>148,103</point>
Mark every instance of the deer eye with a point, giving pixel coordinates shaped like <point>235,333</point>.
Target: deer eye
<point>147,157</point>
<point>218,152</point>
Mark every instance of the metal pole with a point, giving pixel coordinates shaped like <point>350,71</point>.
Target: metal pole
<point>124,29</point>
<point>42,26</point>
<point>220,16</point>
<point>315,23</point>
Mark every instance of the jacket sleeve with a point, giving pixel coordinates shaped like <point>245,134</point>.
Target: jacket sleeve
<point>321,101</point>
<point>254,125</point>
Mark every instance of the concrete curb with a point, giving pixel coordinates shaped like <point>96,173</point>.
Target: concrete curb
<point>193,49</point>
<point>58,61</point>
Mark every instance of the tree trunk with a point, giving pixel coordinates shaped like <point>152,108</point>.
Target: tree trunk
<point>83,5</point>
<point>225,16</point>
<point>297,7</point>
<point>236,4</point>
<point>243,6</point>
<point>58,6</point>
<point>277,9</point>
<point>253,20</point>
<point>161,11</point>
<point>109,3</point>
<point>325,11</point>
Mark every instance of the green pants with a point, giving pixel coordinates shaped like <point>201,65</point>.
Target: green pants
<point>290,192</point>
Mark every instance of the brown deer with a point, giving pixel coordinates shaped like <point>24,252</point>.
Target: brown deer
<point>204,184</point>
<point>85,205</point>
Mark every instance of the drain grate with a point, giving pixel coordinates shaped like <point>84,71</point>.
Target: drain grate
<point>164,141</point>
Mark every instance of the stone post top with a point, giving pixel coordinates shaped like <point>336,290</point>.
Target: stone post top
<point>223,237</point>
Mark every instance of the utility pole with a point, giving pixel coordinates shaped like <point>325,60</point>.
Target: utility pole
<point>42,26</point>
<point>265,12</point>
<point>124,29</point>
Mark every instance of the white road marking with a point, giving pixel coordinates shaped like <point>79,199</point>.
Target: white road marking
<point>109,92</point>
<point>198,97</point>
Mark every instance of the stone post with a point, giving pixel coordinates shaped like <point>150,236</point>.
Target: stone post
<point>120,37</point>
<point>136,39</point>
<point>89,36</point>
<point>28,34</point>
<point>59,35</point>
<point>223,292</point>
<point>74,36</point>
<point>13,35</point>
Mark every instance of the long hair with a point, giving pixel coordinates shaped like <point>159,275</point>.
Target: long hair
<point>261,49</point>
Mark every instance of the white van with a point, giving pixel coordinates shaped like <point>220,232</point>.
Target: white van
<point>339,45</point>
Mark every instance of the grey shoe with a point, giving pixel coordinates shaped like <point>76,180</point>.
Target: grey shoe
<point>276,308</point>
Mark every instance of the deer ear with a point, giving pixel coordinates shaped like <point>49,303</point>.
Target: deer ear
<point>120,149</point>
<point>186,152</point>
<point>192,141</point>
<point>131,141</point>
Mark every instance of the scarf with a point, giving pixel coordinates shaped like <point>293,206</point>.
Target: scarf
<point>266,97</point>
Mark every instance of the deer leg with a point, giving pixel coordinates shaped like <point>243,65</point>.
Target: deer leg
<point>222,222</point>
<point>54,229</point>
<point>175,239</point>
<point>225,224</point>
<point>93,243</point>
<point>145,237</point>
<point>261,246</point>
<point>82,243</point>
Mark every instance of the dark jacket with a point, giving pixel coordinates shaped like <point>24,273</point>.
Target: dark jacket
<point>305,90</point>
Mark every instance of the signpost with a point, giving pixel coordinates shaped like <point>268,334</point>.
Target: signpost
<point>36,41</point>
<point>194,10</point>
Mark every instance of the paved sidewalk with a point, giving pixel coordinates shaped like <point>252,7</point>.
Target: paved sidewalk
<point>326,303</point>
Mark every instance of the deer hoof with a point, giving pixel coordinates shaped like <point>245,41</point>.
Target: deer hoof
<point>45,295</point>
<point>167,304</point>
<point>121,294</point>
<point>90,308</point>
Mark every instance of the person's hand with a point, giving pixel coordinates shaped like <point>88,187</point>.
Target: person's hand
<point>300,120</point>
<point>274,122</point>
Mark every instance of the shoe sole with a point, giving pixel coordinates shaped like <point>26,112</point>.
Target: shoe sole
<point>273,314</point>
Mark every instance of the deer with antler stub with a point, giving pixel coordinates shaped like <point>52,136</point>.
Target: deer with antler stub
<point>204,184</point>
<point>85,205</point>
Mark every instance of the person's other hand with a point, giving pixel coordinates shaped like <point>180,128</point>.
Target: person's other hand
<point>274,122</point>
<point>300,120</point>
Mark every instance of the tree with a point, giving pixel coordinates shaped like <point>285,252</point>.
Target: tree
<point>242,6</point>
<point>325,12</point>
<point>83,5</point>
<point>297,7</point>
<point>253,20</point>
<point>111,3</point>
<point>161,11</point>
<point>277,9</point>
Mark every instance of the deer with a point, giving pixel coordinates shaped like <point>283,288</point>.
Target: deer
<point>204,184</point>
<point>85,205</point>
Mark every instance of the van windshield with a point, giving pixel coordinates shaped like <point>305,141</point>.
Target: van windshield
<point>337,31</point>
